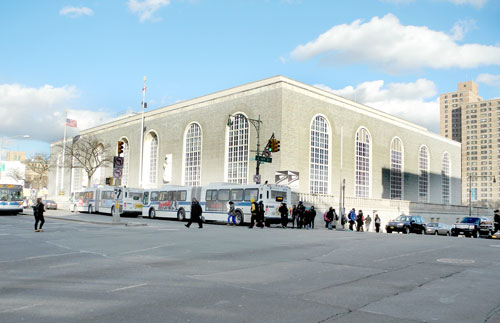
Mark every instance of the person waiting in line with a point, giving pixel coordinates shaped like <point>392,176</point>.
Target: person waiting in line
<point>38,210</point>
<point>294,215</point>
<point>301,209</point>
<point>368,221</point>
<point>307,219</point>
<point>352,219</point>
<point>377,223</point>
<point>253,211</point>
<point>283,210</point>
<point>326,217</point>
<point>312,216</point>
<point>496,220</point>
<point>359,221</point>
<point>230,213</point>
<point>196,213</point>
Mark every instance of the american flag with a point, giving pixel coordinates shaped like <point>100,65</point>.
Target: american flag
<point>71,123</point>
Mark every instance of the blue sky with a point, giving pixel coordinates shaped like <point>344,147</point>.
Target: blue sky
<point>89,57</point>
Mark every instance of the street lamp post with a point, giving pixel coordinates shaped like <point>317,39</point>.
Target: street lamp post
<point>142,132</point>
<point>470,188</point>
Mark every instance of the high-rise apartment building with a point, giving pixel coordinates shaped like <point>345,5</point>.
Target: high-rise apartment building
<point>467,118</point>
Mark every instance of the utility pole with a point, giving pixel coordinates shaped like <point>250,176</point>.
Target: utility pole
<point>142,132</point>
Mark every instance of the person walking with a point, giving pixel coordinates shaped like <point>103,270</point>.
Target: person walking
<point>196,213</point>
<point>377,223</point>
<point>283,210</point>
<point>352,219</point>
<point>230,213</point>
<point>260,215</point>
<point>38,210</point>
<point>312,216</point>
<point>253,211</point>
<point>294,215</point>
<point>496,220</point>
<point>368,221</point>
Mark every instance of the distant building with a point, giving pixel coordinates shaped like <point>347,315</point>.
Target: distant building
<point>467,118</point>
<point>15,156</point>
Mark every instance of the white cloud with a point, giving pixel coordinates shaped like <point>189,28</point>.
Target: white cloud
<point>412,101</point>
<point>461,27</point>
<point>75,12</point>
<point>39,112</point>
<point>475,3</point>
<point>489,79</point>
<point>385,43</point>
<point>146,8</point>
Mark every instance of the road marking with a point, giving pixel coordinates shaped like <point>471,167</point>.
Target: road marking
<point>64,265</point>
<point>57,245</point>
<point>127,287</point>
<point>152,248</point>
<point>38,257</point>
<point>168,229</point>
<point>495,245</point>
<point>410,254</point>
<point>455,261</point>
<point>4,234</point>
<point>19,308</point>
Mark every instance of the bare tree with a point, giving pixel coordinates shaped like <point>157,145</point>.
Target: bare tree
<point>87,153</point>
<point>39,166</point>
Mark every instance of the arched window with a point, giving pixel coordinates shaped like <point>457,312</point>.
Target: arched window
<point>423,175</point>
<point>362,186</point>
<point>192,155</point>
<point>396,169</point>
<point>125,154</point>
<point>237,155</point>
<point>445,178</point>
<point>59,173</point>
<point>150,160</point>
<point>318,161</point>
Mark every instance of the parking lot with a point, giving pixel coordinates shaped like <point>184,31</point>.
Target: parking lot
<point>160,271</point>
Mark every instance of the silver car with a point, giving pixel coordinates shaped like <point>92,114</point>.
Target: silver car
<point>438,228</point>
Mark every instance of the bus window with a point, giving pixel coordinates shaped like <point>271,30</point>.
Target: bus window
<point>278,196</point>
<point>145,198</point>
<point>223,195</point>
<point>181,195</point>
<point>136,196</point>
<point>251,193</point>
<point>170,196</point>
<point>237,195</point>
<point>211,195</point>
<point>16,196</point>
<point>154,196</point>
<point>126,194</point>
<point>163,196</point>
<point>4,194</point>
<point>267,192</point>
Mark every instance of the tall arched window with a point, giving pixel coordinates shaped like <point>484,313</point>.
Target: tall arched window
<point>423,175</point>
<point>445,178</point>
<point>59,173</point>
<point>153,159</point>
<point>192,155</point>
<point>318,161</point>
<point>362,186</point>
<point>125,154</point>
<point>237,155</point>
<point>396,169</point>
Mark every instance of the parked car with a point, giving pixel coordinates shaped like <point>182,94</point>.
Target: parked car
<point>471,226</point>
<point>49,204</point>
<point>438,228</point>
<point>406,224</point>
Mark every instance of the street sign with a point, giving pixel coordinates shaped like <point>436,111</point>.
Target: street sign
<point>264,159</point>
<point>117,172</point>
<point>118,162</point>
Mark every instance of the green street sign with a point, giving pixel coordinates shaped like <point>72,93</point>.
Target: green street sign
<point>264,159</point>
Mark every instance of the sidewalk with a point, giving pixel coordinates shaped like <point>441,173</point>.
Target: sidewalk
<point>85,217</point>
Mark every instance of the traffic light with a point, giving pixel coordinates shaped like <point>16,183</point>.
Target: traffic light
<point>120,147</point>
<point>269,146</point>
<point>277,145</point>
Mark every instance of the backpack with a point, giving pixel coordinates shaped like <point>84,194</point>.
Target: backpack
<point>325,216</point>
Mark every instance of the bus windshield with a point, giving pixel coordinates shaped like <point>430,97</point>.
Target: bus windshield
<point>10,194</point>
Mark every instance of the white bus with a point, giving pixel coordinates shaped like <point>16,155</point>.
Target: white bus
<point>215,201</point>
<point>170,201</point>
<point>11,198</point>
<point>108,199</point>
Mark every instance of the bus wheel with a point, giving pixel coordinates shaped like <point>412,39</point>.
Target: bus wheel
<point>181,215</point>
<point>238,218</point>
<point>90,209</point>
<point>152,213</point>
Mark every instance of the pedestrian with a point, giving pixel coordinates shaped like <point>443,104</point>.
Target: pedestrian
<point>352,219</point>
<point>230,213</point>
<point>496,220</point>
<point>307,219</point>
<point>38,210</point>
<point>253,211</point>
<point>294,215</point>
<point>196,214</point>
<point>377,223</point>
<point>312,216</point>
<point>335,219</point>
<point>260,215</point>
<point>368,221</point>
<point>359,221</point>
<point>283,210</point>
<point>329,217</point>
<point>301,209</point>
<point>326,217</point>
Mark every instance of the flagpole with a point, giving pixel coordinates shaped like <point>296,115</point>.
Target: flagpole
<point>64,149</point>
<point>142,134</point>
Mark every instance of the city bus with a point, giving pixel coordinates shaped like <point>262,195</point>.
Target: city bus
<point>215,201</point>
<point>11,198</point>
<point>108,199</point>
<point>83,200</point>
<point>170,201</point>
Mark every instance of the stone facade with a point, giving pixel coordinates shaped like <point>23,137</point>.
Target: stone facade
<point>287,109</point>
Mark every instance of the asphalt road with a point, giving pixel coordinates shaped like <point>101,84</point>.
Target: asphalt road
<point>164,272</point>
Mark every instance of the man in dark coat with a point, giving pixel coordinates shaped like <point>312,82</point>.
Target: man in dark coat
<point>312,216</point>
<point>196,213</point>
<point>283,210</point>
<point>301,210</point>
<point>260,215</point>
<point>38,210</point>
<point>496,220</point>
